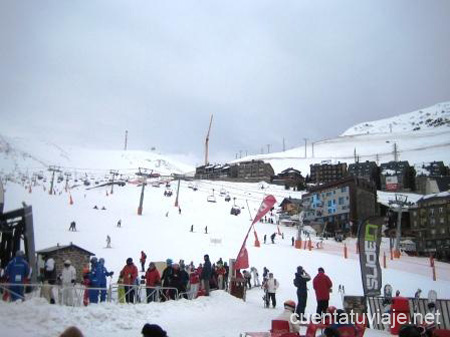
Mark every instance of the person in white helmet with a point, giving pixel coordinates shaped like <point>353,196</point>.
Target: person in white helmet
<point>68,277</point>
<point>289,309</point>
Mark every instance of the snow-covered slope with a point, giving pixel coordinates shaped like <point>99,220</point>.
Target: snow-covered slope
<point>436,117</point>
<point>34,155</point>
<point>162,237</point>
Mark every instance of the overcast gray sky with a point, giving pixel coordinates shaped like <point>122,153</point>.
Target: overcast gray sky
<point>82,72</point>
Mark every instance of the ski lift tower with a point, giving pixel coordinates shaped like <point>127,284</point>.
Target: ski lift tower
<point>207,141</point>
<point>143,172</point>
<point>399,204</point>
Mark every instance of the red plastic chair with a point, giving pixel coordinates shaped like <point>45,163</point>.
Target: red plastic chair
<point>441,333</point>
<point>280,326</point>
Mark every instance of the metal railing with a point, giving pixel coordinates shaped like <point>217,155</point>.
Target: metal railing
<point>78,295</point>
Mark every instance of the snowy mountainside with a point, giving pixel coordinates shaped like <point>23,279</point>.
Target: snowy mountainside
<point>433,117</point>
<point>420,136</point>
<point>26,154</point>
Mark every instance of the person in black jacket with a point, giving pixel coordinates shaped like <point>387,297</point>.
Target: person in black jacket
<point>166,277</point>
<point>301,278</point>
<point>206,274</point>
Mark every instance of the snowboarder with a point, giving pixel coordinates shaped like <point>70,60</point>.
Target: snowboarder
<point>73,226</point>
<point>301,278</point>
<point>95,207</point>
<point>322,286</point>
<point>192,229</point>
<point>179,210</point>
<point>282,236</point>
<point>119,223</point>
<point>272,237</point>
<point>167,214</point>
<point>206,230</point>
<point>142,260</point>
<point>103,208</point>
<point>292,240</point>
<point>265,238</point>
<point>108,241</point>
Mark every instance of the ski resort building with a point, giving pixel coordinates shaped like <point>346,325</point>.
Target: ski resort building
<point>289,177</point>
<point>291,205</point>
<point>432,178</point>
<point>368,170</point>
<point>338,206</point>
<point>430,221</point>
<point>326,172</point>
<point>397,176</point>
<point>248,171</point>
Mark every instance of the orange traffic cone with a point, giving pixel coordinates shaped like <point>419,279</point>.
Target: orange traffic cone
<point>70,199</point>
<point>345,251</point>
<point>257,244</point>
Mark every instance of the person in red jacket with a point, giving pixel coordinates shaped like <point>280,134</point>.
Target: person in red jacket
<point>143,259</point>
<point>130,273</point>
<point>152,279</point>
<point>322,286</point>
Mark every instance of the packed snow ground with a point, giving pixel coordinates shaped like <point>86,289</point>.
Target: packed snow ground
<point>164,237</point>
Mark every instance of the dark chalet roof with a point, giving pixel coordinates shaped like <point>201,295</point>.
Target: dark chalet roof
<point>291,201</point>
<point>59,247</point>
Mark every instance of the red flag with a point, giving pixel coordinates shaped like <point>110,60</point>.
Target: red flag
<point>242,259</point>
<point>265,207</point>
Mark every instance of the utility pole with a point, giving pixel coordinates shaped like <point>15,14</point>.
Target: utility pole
<point>126,140</point>
<point>395,152</point>
<point>114,173</point>
<point>143,173</point>
<point>354,155</point>
<point>284,145</point>
<point>312,149</point>
<point>246,153</point>
<point>306,143</point>
<point>268,148</point>
<point>53,169</point>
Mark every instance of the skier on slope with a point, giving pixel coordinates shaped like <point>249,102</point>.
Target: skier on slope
<point>142,260</point>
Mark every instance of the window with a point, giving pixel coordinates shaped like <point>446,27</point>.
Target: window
<point>441,210</point>
<point>343,189</point>
<point>441,220</point>
<point>341,200</point>
<point>443,231</point>
<point>432,221</point>
<point>414,213</point>
<point>431,211</point>
<point>329,203</point>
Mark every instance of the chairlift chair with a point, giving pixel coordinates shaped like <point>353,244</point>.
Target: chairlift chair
<point>227,198</point>
<point>223,192</point>
<point>211,198</point>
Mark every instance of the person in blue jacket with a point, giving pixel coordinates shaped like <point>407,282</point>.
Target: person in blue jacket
<point>16,271</point>
<point>102,274</point>
<point>94,281</point>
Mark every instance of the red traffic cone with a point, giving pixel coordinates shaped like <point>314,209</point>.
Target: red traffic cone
<point>70,199</point>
